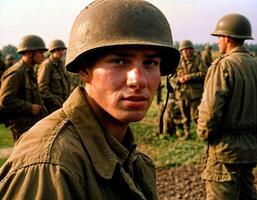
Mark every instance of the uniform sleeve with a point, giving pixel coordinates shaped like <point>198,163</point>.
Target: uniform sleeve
<point>40,181</point>
<point>202,70</point>
<point>216,91</point>
<point>10,89</point>
<point>44,74</point>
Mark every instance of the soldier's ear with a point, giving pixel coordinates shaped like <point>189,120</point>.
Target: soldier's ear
<point>85,75</point>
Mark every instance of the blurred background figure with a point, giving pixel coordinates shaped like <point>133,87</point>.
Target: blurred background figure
<point>9,60</point>
<point>52,80</point>
<point>207,55</point>
<point>2,66</point>
<point>20,100</point>
<point>189,79</point>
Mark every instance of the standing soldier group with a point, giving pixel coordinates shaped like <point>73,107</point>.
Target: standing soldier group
<point>52,80</point>
<point>27,97</point>
<point>120,61</point>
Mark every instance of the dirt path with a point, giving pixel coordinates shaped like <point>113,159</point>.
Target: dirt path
<point>182,183</point>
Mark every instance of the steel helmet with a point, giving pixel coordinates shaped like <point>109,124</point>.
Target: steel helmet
<point>111,23</point>
<point>31,43</point>
<point>235,26</point>
<point>56,44</point>
<point>186,44</point>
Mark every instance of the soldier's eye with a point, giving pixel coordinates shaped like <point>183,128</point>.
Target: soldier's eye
<point>119,61</point>
<point>151,63</point>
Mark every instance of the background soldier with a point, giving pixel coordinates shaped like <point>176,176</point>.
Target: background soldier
<point>9,60</point>
<point>19,95</point>
<point>207,55</point>
<point>2,67</point>
<point>228,114</point>
<point>190,76</point>
<point>86,150</point>
<point>52,80</point>
<point>172,117</point>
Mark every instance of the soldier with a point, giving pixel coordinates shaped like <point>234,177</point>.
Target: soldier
<point>172,117</point>
<point>2,67</point>
<point>9,60</point>
<point>228,114</point>
<point>52,80</point>
<point>74,80</point>
<point>159,95</point>
<point>207,55</point>
<point>19,95</point>
<point>189,78</point>
<point>86,150</point>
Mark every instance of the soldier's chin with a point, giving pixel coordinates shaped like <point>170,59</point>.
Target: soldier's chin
<point>133,117</point>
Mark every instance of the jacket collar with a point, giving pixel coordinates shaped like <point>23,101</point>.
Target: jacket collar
<point>103,149</point>
<point>237,49</point>
<point>26,66</point>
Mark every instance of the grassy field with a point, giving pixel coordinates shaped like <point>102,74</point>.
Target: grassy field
<point>5,137</point>
<point>165,151</point>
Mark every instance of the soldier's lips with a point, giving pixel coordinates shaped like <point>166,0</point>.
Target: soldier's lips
<point>135,102</point>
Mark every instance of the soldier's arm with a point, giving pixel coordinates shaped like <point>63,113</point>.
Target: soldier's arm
<point>9,96</point>
<point>216,91</point>
<point>200,74</point>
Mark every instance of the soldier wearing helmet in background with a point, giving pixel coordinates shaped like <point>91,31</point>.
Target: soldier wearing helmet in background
<point>228,114</point>
<point>20,99</point>
<point>207,55</point>
<point>189,79</point>
<point>9,60</point>
<point>52,80</point>
<point>86,150</point>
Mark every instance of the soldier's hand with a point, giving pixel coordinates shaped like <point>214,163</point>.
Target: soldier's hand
<point>181,80</point>
<point>187,77</point>
<point>36,109</point>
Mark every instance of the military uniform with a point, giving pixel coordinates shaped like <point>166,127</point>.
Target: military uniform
<point>74,80</point>
<point>19,91</point>
<point>76,158</point>
<point>207,57</point>
<point>53,83</point>
<point>172,117</point>
<point>189,94</point>
<point>228,121</point>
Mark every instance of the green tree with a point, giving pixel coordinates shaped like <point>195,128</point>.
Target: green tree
<point>12,50</point>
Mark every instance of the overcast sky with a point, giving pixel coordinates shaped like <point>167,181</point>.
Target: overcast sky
<point>52,19</point>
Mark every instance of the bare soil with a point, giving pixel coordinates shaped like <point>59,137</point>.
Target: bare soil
<point>182,183</point>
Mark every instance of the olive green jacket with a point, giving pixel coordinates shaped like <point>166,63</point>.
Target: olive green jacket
<point>18,92</point>
<point>53,83</point>
<point>228,110</point>
<point>68,155</point>
<point>196,69</point>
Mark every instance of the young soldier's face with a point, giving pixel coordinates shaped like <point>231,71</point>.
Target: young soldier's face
<point>187,52</point>
<point>122,83</point>
<point>38,56</point>
<point>222,44</point>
